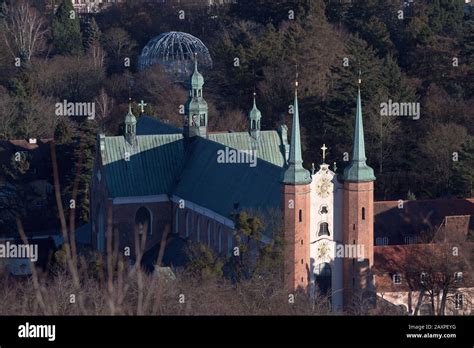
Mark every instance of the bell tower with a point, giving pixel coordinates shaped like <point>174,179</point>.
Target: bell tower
<point>358,222</point>
<point>296,212</point>
<point>195,118</point>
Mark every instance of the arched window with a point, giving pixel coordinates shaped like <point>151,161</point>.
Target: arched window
<point>198,229</point>
<point>324,229</point>
<point>188,224</point>
<point>209,234</point>
<point>219,239</point>
<point>176,222</point>
<point>143,221</point>
<point>363,213</point>
<point>322,274</point>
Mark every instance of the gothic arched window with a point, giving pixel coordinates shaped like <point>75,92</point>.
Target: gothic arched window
<point>208,233</point>
<point>143,221</point>
<point>198,229</point>
<point>188,223</point>
<point>324,229</point>
<point>219,239</point>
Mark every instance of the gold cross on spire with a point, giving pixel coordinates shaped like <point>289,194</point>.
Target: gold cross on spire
<point>324,148</point>
<point>360,77</point>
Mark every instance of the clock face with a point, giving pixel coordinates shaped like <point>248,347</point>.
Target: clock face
<point>324,188</point>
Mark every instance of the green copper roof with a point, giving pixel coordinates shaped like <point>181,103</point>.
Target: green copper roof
<point>154,163</point>
<point>164,164</point>
<point>358,170</point>
<point>295,173</point>
<point>268,147</point>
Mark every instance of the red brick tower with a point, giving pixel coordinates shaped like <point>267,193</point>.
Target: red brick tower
<point>296,213</point>
<point>358,223</point>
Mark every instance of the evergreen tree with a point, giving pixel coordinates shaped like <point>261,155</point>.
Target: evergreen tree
<point>67,37</point>
<point>92,33</point>
<point>463,179</point>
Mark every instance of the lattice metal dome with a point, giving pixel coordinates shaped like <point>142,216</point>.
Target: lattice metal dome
<point>174,51</point>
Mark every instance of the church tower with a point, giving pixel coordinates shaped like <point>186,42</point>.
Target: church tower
<point>296,212</point>
<point>195,118</point>
<point>130,126</point>
<point>358,221</point>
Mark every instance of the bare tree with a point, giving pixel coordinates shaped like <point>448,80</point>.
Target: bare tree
<point>24,30</point>
<point>105,104</point>
<point>97,55</point>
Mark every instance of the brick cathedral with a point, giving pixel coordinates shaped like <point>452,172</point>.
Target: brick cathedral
<point>156,177</point>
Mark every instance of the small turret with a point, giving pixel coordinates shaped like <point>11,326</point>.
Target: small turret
<point>254,117</point>
<point>130,126</point>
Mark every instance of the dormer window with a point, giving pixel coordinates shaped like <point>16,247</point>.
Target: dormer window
<point>458,277</point>
<point>423,278</point>
<point>397,278</point>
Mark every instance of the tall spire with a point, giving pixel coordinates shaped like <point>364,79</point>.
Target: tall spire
<point>358,170</point>
<point>295,173</point>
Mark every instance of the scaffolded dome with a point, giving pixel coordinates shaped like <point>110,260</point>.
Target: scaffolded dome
<point>175,51</point>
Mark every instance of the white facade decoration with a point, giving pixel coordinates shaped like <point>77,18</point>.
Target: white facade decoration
<point>326,208</point>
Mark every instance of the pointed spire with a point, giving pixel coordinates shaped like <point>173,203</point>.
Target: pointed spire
<point>358,170</point>
<point>295,173</point>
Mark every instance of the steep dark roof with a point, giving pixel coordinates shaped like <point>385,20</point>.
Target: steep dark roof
<point>218,186</point>
<point>147,125</point>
